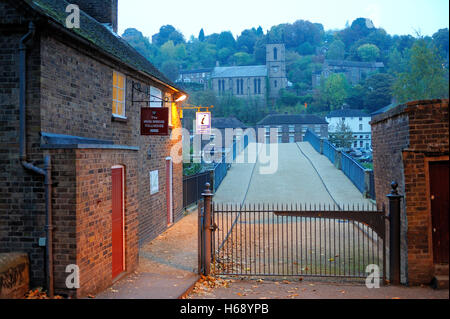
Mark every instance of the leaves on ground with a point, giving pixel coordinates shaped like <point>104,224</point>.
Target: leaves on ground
<point>38,293</point>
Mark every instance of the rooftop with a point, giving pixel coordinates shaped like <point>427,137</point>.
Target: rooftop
<point>99,35</point>
<point>279,119</point>
<point>227,122</point>
<point>355,64</point>
<point>347,113</point>
<point>239,71</point>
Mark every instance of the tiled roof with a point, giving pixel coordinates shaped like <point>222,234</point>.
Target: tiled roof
<point>100,36</point>
<point>347,113</point>
<point>279,119</point>
<point>239,71</point>
<point>227,122</point>
<point>354,64</point>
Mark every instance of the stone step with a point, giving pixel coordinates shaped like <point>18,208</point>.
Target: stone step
<point>440,282</point>
<point>441,270</point>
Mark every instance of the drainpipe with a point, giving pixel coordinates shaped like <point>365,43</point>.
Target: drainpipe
<point>46,171</point>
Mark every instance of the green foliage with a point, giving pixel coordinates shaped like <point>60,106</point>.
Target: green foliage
<point>368,52</point>
<point>378,90</point>
<point>336,50</point>
<point>334,91</point>
<point>425,78</point>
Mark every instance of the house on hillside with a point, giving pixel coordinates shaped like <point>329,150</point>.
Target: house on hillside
<point>80,185</point>
<point>354,71</point>
<point>291,128</point>
<point>358,123</point>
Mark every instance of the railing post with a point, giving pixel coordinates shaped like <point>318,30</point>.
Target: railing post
<point>338,159</point>
<point>394,234</point>
<point>321,146</point>
<point>207,230</point>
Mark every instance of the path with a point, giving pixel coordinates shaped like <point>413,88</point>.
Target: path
<point>295,181</point>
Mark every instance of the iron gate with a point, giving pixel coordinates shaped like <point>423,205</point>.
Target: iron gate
<point>295,240</point>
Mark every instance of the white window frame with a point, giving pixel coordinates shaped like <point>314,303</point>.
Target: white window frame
<point>123,116</point>
<point>156,93</point>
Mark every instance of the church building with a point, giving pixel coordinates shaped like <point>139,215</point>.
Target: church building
<point>256,81</point>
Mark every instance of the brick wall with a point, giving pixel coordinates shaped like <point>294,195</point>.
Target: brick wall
<point>22,202</point>
<point>403,139</point>
<point>70,92</point>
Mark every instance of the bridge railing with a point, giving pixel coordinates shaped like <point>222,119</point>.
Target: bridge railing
<point>362,178</point>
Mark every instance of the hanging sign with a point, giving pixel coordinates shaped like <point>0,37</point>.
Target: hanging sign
<point>203,122</point>
<point>154,121</point>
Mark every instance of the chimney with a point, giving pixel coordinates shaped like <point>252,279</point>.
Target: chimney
<point>104,11</point>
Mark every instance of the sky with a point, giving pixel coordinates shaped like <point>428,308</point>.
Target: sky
<point>399,17</point>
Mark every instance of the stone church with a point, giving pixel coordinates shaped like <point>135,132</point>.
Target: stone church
<point>256,81</point>
<point>251,81</point>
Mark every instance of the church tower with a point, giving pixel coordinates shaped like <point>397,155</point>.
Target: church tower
<point>276,68</point>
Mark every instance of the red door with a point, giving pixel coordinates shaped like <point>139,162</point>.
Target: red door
<point>169,191</point>
<point>117,221</point>
<point>439,210</point>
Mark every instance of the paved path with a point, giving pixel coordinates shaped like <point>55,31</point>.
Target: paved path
<point>303,176</point>
<point>167,265</point>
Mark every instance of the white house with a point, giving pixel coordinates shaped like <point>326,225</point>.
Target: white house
<point>357,121</point>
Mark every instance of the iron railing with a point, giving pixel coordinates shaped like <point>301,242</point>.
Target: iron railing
<point>329,150</point>
<point>313,139</point>
<point>296,240</point>
<point>354,171</point>
<point>193,187</point>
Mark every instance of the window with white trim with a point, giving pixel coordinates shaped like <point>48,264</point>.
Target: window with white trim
<point>156,98</point>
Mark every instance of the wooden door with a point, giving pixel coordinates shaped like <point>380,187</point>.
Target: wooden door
<point>118,265</point>
<point>169,191</point>
<point>439,180</point>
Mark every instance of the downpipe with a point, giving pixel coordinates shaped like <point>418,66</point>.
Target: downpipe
<point>46,171</point>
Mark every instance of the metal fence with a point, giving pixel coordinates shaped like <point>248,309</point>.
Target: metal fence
<point>351,168</point>
<point>354,171</point>
<point>295,240</point>
<point>193,187</point>
<point>313,139</point>
<point>329,150</point>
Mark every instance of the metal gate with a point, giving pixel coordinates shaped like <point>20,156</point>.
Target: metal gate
<point>299,240</point>
<point>295,240</point>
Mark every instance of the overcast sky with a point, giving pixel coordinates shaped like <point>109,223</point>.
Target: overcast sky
<point>189,16</point>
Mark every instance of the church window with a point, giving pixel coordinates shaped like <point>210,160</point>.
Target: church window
<point>275,54</point>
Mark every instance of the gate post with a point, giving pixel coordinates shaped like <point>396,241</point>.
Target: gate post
<point>394,234</point>
<point>206,230</point>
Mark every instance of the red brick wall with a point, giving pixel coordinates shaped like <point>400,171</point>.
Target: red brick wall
<point>403,140</point>
<point>70,92</point>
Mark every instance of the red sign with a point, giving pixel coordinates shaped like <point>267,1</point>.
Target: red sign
<point>154,121</point>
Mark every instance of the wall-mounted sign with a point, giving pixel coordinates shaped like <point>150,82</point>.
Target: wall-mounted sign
<point>203,122</point>
<point>154,182</point>
<point>154,121</point>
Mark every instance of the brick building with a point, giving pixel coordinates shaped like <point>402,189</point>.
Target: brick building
<point>71,147</point>
<point>410,146</point>
<point>291,128</point>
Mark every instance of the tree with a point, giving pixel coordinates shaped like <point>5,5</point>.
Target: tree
<point>170,69</point>
<point>425,78</point>
<point>378,91</point>
<point>441,39</point>
<point>167,33</point>
<point>368,52</point>
<point>201,35</point>
<point>343,136</point>
<point>335,91</point>
<point>336,50</point>
<point>226,40</point>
